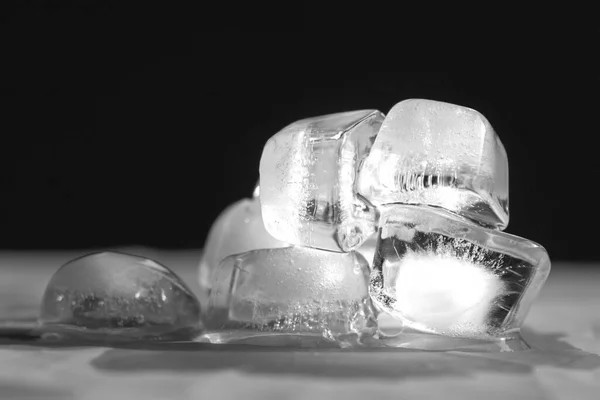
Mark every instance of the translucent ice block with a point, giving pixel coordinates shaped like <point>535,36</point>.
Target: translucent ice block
<point>307,179</point>
<point>439,154</point>
<point>238,229</point>
<point>292,291</point>
<point>119,296</point>
<point>439,273</point>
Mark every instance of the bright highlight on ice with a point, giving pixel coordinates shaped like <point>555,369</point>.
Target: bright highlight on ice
<point>444,293</point>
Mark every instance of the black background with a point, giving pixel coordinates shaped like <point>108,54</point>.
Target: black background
<point>131,126</point>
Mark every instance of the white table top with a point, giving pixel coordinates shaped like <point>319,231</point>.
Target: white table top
<point>563,328</point>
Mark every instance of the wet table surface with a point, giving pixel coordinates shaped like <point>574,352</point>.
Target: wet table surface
<point>563,328</point>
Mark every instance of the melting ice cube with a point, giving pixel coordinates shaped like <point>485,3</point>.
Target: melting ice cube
<point>291,291</point>
<point>307,179</point>
<point>439,154</point>
<point>238,229</point>
<point>113,295</point>
<point>439,273</point>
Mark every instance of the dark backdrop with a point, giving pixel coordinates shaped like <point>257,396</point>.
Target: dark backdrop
<point>129,126</point>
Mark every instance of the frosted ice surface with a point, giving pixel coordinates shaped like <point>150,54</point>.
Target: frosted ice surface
<point>307,181</point>
<point>439,154</point>
<point>440,273</point>
<point>120,296</point>
<point>294,290</point>
<point>238,229</point>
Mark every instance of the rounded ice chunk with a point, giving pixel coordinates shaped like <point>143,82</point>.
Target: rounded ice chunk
<point>238,229</point>
<point>307,181</point>
<point>438,154</point>
<point>119,296</point>
<point>294,291</point>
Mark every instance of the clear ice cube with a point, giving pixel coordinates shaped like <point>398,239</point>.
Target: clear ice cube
<point>238,229</point>
<point>292,291</point>
<point>307,181</point>
<point>439,273</point>
<point>119,296</point>
<point>439,154</point>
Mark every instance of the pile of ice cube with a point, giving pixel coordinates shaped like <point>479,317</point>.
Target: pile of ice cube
<point>364,230</point>
<point>358,214</point>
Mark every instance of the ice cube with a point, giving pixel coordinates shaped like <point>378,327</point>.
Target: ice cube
<point>439,273</point>
<point>238,229</point>
<point>439,154</point>
<point>294,291</point>
<point>119,296</point>
<point>307,181</point>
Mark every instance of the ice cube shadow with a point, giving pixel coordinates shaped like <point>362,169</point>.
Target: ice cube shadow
<point>548,350</point>
<point>341,364</point>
